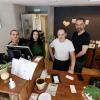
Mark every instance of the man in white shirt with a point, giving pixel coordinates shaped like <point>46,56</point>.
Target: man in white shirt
<point>63,57</point>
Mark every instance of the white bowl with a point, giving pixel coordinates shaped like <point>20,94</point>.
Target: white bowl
<point>44,96</point>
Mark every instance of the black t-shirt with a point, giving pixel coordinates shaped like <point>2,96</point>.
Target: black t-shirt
<point>22,42</point>
<point>79,41</point>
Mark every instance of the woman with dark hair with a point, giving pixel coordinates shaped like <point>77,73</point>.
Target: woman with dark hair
<point>35,44</point>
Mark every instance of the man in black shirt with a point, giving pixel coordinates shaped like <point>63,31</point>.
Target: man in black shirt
<point>16,40</point>
<point>81,40</point>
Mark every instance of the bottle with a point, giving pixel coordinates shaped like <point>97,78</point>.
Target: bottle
<point>12,84</point>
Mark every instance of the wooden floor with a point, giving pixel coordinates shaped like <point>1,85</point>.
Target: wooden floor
<point>92,71</point>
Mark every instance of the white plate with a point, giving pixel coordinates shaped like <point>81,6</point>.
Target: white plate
<point>44,96</point>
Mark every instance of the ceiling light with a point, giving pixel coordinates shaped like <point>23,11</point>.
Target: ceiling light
<point>37,10</point>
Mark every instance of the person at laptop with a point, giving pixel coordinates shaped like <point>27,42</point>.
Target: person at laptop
<point>36,45</point>
<point>63,57</point>
<point>16,40</point>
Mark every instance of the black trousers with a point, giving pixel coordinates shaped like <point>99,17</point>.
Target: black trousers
<point>79,66</point>
<point>61,65</point>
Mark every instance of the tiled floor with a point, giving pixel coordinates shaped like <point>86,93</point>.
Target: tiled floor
<point>92,71</point>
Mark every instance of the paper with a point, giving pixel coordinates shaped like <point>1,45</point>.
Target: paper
<point>91,45</point>
<point>15,64</point>
<point>56,80</point>
<point>99,46</point>
<point>74,21</point>
<point>87,22</point>
<point>69,77</point>
<point>72,88</point>
<point>97,42</point>
<point>52,89</point>
<point>44,74</point>
<point>23,68</point>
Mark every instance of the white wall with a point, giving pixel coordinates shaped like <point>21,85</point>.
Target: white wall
<point>50,20</point>
<point>9,19</point>
<point>18,10</point>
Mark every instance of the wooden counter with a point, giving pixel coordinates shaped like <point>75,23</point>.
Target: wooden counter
<point>23,88</point>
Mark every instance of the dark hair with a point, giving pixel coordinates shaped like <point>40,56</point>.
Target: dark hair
<point>14,30</point>
<point>31,36</point>
<point>81,19</point>
<point>32,40</point>
<point>62,29</point>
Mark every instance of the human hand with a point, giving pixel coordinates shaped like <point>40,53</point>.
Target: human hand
<point>71,71</point>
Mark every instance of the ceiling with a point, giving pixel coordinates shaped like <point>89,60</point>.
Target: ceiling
<point>51,2</point>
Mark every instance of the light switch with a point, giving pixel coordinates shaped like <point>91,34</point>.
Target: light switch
<point>0,26</point>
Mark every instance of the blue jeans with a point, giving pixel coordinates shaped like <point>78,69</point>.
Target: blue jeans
<point>79,66</point>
